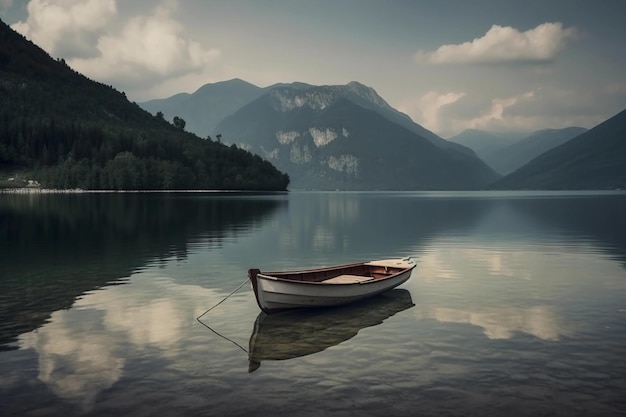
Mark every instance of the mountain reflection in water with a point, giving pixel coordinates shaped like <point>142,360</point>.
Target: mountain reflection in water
<point>56,247</point>
<point>303,332</point>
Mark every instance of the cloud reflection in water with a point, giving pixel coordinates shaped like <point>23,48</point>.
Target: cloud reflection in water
<point>502,323</point>
<point>82,351</point>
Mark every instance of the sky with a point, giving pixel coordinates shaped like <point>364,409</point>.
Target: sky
<point>451,65</point>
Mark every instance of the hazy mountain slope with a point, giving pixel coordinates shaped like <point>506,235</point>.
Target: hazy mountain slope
<point>207,106</point>
<point>324,140</point>
<point>482,142</point>
<point>595,159</point>
<point>367,98</point>
<point>509,158</point>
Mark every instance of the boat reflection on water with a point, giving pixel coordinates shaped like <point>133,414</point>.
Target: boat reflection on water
<point>297,333</point>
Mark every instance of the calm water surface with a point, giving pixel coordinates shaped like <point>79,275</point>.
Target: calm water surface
<point>517,306</point>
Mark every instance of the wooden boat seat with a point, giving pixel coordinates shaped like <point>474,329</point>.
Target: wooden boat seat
<point>390,263</point>
<point>347,279</point>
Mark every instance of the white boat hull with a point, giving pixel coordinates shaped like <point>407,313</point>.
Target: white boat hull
<point>275,294</point>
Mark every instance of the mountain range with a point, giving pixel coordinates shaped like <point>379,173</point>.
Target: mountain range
<point>340,137</point>
<point>348,137</point>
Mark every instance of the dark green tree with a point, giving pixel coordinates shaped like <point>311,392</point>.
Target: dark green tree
<point>179,122</point>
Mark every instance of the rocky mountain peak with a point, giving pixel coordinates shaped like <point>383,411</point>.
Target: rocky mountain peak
<point>287,97</point>
<point>365,92</point>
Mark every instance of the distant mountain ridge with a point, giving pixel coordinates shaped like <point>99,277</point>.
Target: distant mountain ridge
<point>207,106</point>
<point>483,143</point>
<point>595,159</point>
<point>507,152</point>
<point>509,158</point>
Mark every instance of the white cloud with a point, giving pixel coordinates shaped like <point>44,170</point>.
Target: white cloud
<point>426,109</point>
<point>144,50</point>
<point>432,111</point>
<point>504,44</point>
<point>147,48</point>
<point>66,27</point>
<point>495,115</point>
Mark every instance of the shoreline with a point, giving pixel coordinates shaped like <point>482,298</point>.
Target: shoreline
<point>27,190</point>
<point>36,190</point>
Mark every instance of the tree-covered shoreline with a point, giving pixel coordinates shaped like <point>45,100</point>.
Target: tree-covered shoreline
<point>100,157</point>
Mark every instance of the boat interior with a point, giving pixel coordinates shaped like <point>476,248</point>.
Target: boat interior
<point>348,274</point>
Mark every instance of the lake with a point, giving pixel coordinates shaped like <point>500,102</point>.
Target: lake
<point>517,305</point>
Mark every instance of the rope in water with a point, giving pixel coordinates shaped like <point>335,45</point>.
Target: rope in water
<point>220,302</point>
<point>224,299</point>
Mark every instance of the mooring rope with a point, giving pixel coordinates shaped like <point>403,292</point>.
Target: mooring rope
<point>224,299</point>
<point>220,302</point>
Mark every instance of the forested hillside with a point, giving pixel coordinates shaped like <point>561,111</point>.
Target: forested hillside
<point>67,131</point>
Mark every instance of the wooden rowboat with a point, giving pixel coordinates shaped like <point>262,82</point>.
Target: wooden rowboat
<point>328,286</point>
